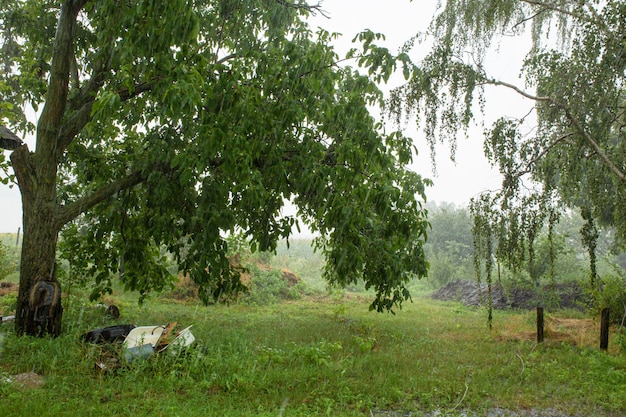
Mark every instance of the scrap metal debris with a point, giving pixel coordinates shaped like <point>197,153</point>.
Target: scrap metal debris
<point>138,342</point>
<point>4,319</point>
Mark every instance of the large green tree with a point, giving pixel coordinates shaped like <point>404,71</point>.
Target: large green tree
<point>164,125</point>
<point>569,152</point>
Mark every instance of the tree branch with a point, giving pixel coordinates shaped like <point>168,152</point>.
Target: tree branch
<point>226,58</point>
<point>58,86</point>
<point>82,103</point>
<point>592,143</point>
<point>553,8</point>
<point>526,19</point>
<point>541,154</point>
<point>22,162</point>
<point>66,213</point>
<point>518,90</point>
<point>596,20</point>
<point>126,94</point>
<point>312,9</point>
<point>82,116</point>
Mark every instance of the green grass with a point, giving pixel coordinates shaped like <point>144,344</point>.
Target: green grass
<point>9,257</point>
<point>313,358</point>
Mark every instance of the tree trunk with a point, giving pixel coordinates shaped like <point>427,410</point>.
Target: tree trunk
<point>39,311</point>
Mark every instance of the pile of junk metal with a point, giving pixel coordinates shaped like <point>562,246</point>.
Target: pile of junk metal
<point>140,342</point>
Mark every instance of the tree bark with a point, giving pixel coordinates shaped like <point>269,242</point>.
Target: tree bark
<point>39,311</point>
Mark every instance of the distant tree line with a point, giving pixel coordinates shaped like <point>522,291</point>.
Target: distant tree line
<point>450,251</point>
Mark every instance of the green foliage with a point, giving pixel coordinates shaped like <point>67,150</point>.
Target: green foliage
<point>444,268</point>
<point>266,287</point>
<point>6,266</point>
<point>8,303</point>
<point>300,258</point>
<point>188,121</point>
<point>9,256</point>
<point>449,247</point>
<point>573,158</point>
<point>450,231</point>
<point>611,293</point>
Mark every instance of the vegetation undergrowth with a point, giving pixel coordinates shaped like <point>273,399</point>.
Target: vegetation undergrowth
<point>311,357</point>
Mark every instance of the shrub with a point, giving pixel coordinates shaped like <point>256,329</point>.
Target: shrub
<point>266,287</point>
<point>611,294</point>
<point>8,304</point>
<point>6,266</point>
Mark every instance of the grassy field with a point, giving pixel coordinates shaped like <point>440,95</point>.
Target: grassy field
<point>314,357</point>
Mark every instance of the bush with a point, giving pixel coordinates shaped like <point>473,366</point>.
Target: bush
<point>611,294</point>
<point>8,304</point>
<point>444,269</point>
<point>6,266</point>
<point>268,287</point>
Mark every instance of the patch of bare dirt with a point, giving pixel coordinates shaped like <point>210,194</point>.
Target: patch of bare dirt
<point>28,380</point>
<point>576,332</point>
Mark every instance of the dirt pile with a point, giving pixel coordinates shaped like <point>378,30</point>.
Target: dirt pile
<point>186,289</point>
<point>7,288</point>
<point>563,295</point>
<point>288,276</point>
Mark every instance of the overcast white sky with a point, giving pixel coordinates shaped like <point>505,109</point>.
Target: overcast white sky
<point>398,20</point>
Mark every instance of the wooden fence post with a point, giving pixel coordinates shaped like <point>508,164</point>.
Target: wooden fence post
<point>539,324</point>
<point>604,329</point>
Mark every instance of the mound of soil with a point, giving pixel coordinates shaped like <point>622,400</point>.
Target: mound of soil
<point>290,277</point>
<point>563,295</point>
<point>186,289</point>
<point>7,288</point>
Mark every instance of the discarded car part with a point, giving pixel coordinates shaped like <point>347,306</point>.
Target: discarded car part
<point>138,352</point>
<point>108,334</point>
<point>139,343</point>
<point>185,338</point>
<point>144,335</point>
<point>166,337</point>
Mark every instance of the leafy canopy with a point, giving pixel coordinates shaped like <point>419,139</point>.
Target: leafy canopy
<point>570,152</point>
<point>188,120</point>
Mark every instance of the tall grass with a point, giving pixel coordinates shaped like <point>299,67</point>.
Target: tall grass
<point>312,357</point>
<point>9,257</point>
